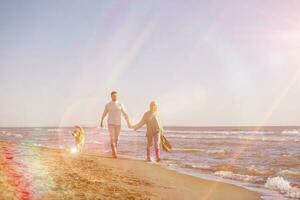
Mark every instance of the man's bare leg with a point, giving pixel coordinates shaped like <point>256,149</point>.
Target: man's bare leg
<point>111,130</point>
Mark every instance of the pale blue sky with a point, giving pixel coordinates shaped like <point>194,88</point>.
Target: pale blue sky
<point>207,63</point>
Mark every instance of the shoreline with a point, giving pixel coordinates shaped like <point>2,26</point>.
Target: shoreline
<point>55,173</point>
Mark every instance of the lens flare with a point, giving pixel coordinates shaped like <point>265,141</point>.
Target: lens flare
<point>73,150</point>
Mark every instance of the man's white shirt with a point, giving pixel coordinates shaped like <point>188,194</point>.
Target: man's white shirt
<point>114,110</point>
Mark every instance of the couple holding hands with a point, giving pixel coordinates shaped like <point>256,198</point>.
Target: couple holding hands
<point>114,109</point>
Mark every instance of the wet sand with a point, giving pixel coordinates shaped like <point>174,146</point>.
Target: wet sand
<point>42,173</point>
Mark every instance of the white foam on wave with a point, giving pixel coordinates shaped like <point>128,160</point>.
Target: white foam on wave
<point>11,134</point>
<point>95,142</point>
<point>17,135</point>
<point>266,138</point>
<point>217,151</point>
<point>240,177</point>
<point>54,129</point>
<point>290,172</point>
<point>253,137</point>
<point>39,145</point>
<point>283,186</point>
<point>254,170</point>
<point>219,132</point>
<point>201,167</point>
<point>293,132</point>
<point>188,149</point>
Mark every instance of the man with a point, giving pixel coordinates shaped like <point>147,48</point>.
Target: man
<point>154,129</point>
<point>114,109</point>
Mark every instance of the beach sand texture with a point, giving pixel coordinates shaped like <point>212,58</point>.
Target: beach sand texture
<point>28,172</point>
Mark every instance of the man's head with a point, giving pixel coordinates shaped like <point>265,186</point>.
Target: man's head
<point>153,106</point>
<point>114,96</point>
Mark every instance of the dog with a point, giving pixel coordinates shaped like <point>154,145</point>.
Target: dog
<point>78,134</point>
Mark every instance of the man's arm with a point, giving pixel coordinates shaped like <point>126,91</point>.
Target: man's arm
<point>103,116</point>
<point>124,113</point>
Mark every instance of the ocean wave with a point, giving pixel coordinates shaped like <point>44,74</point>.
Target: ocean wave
<point>11,134</point>
<point>205,167</point>
<point>283,186</point>
<point>220,132</point>
<point>256,171</point>
<point>235,137</point>
<point>292,132</point>
<point>218,151</point>
<point>224,167</point>
<point>38,145</point>
<point>210,151</point>
<point>31,144</point>
<point>240,177</point>
<point>192,166</point>
<point>290,172</point>
<point>179,136</point>
<point>95,142</point>
<point>54,130</point>
<point>188,149</point>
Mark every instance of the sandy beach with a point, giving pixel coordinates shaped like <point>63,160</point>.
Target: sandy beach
<point>41,173</point>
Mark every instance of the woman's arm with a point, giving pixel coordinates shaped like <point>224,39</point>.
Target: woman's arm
<point>140,124</point>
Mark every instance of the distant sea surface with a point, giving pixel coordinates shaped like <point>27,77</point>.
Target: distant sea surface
<point>266,160</point>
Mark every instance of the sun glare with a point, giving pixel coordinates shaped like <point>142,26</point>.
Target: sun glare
<point>73,150</point>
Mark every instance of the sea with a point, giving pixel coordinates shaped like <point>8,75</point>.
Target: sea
<point>264,159</point>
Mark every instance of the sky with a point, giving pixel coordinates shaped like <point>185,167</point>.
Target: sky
<point>206,63</point>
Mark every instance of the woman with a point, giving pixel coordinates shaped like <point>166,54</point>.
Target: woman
<point>154,129</point>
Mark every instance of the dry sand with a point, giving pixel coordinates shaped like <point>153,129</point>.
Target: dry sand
<point>43,173</point>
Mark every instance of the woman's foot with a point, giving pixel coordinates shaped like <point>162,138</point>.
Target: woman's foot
<point>114,156</point>
<point>157,154</point>
<point>114,151</point>
<point>148,155</point>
